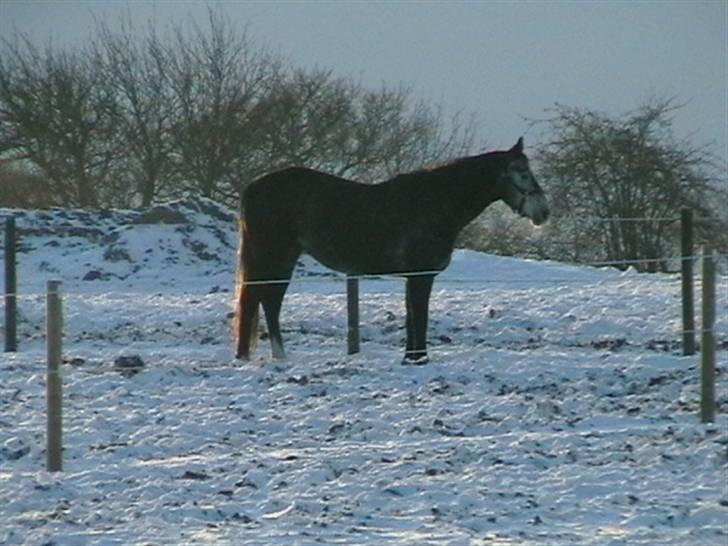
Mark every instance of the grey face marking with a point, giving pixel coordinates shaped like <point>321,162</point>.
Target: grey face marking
<point>523,194</point>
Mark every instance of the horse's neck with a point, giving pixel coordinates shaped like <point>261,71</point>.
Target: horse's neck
<point>466,190</point>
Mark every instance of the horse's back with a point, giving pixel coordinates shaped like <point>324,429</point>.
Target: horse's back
<point>296,188</point>
<point>342,223</point>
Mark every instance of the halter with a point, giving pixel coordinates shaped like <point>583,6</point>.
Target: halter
<point>525,194</point>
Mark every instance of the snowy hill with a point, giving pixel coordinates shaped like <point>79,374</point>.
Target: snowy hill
<point>131,247</point>
<point>556,409</point>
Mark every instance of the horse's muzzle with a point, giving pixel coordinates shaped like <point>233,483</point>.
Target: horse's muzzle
<point>535,208</point>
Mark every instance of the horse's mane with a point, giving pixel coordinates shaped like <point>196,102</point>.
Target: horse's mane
<point>436,168</point>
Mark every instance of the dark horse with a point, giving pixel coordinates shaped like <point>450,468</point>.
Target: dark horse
<point>405,225</point>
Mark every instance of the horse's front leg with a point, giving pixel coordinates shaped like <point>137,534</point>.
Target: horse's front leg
<point>418,290</point>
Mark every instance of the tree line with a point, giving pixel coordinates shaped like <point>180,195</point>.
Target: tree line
<point>616,185</point>
<point>133,117</point>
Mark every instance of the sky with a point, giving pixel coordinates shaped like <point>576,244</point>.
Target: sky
<point>503,62</point>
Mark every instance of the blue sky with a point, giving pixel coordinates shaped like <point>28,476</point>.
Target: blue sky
<point>501,61</point>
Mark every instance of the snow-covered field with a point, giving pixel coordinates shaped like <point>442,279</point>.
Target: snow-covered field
<point>556,408</point>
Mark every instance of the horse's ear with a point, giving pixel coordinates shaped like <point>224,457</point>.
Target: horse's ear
<point>518,147</point>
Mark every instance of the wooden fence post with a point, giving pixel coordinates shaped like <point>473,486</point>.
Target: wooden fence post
<point>688,306</point>
<point>11,287</point>
<point>54,385</point>
<point>352,306</point>
<point>707,341</point>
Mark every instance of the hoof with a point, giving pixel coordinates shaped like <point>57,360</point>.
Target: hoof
<point>415,360</point>
<point>276,348</point>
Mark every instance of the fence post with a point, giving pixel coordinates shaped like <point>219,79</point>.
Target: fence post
<point>54,385</point>
<point>707,341</point>
<point>11,286</point>
<point>352,306</point>
<point>688,306</point>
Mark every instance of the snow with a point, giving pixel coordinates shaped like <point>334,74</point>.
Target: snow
<point>556,408</point>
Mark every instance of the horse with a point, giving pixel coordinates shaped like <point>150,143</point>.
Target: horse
<point>405,226</point>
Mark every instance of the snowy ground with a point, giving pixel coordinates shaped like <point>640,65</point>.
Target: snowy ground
<point>556,408</point>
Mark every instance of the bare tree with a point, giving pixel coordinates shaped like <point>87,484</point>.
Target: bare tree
<point>315,119</point>
<point>133,117</point>
<point>134,67</point>
<point>21,188</point>
<point>304,120</point>
<point>396,132</point>
<point>599,168</point>
<point>55,114</point>
<point>217,76</point>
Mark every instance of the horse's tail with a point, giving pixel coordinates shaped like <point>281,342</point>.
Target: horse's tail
<point>246,320</point>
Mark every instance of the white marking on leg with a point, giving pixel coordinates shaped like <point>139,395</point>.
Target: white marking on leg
<point>277,349</point>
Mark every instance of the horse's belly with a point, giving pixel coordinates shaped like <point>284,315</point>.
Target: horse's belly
<point>370,256</point>
<point>352,260</point>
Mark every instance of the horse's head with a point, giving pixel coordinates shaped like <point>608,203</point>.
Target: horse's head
<point>519,189</point>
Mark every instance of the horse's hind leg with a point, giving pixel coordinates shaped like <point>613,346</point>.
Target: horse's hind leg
<point>248,298</point>
<point>247,317</point>
<point>272,300</point>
